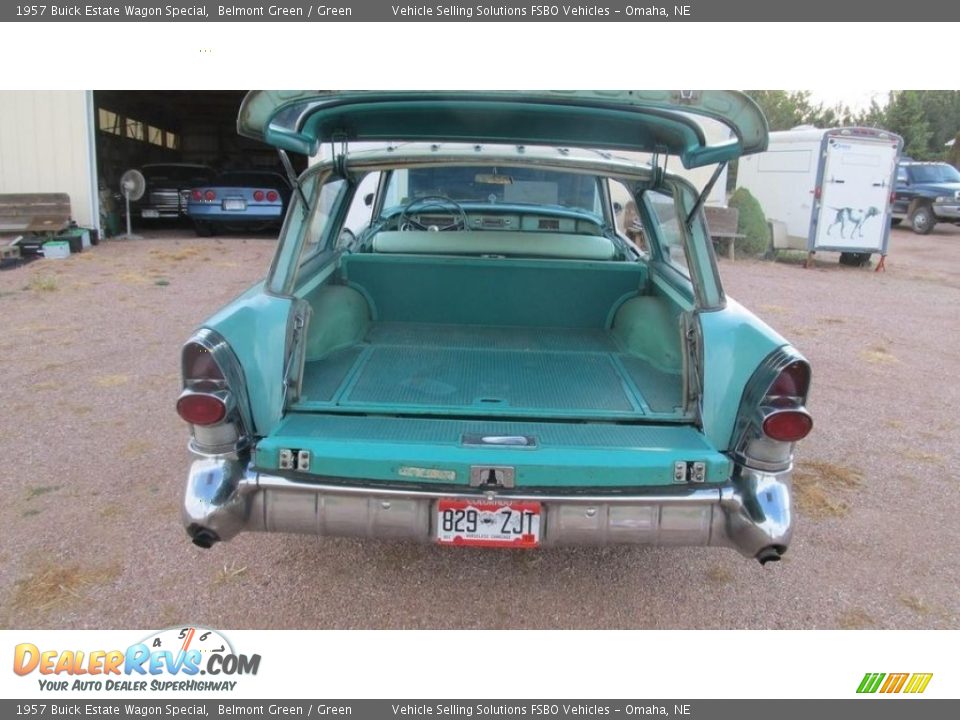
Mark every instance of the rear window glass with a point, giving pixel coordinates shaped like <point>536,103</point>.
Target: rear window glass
<point>669,235</point>
<point>491,185</point>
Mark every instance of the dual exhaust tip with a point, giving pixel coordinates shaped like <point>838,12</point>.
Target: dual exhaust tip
<point>203,537</point>
<point>771,553</point>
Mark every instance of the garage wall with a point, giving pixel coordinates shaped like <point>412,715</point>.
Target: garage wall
<point>45,146</point>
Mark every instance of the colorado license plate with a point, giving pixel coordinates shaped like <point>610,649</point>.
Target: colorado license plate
<point>234,205</point>
<point>488,524</point>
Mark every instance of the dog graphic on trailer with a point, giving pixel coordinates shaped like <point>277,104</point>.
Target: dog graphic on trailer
<point>855,217</point>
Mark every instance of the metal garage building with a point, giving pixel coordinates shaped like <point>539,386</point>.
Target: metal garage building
<point>80,142</point>
<point>47,144</point>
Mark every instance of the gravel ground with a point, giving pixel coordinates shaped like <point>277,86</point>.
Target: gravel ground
<point>94,466</point>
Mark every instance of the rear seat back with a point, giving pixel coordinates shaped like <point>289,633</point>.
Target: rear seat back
<point>492,291</point>
<point>566,246</point>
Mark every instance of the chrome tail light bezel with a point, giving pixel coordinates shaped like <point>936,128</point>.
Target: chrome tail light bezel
<point>749,445</point>
<point>232,434</point>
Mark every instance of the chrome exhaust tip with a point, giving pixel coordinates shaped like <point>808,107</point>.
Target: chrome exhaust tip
<point>771,553</point>
<point>202,537</point>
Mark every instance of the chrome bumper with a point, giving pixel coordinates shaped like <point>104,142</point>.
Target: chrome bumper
<point>949,211</point>
<point>752,513</point>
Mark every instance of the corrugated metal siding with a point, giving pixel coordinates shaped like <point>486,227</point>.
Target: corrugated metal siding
<point>44,146</point>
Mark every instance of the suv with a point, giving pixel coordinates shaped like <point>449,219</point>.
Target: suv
<point>461,341</point>
<point>927,193</point>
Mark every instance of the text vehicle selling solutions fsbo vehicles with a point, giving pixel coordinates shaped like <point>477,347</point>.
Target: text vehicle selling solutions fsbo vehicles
<point>462,340</point>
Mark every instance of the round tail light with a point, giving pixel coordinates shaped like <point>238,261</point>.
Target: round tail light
<point>787,425</point>
<point>209,195</point>
<point>258,195</point>
<point>200,409</point>
<point>196,195</point>
<point>272,196</point>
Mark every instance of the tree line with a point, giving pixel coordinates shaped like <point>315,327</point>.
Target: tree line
<point>925,119</point>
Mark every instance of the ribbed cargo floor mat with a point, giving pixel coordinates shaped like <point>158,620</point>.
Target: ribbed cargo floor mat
<point>558,372</point>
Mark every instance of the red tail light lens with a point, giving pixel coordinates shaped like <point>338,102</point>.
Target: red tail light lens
<point>198,364</point>
<point>258,195</point>
<point>272,196</point>
<point>197,195</point>
<point>200,409</point>
<point>817,192</point>
<point>793,381</point>
<point>209,195</point>
<point>788,425</point>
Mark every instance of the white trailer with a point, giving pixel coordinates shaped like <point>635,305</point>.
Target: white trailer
<point>826,189</point>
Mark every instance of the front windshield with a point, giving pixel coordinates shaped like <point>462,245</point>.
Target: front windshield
<point>491,185</point>
<point>934,173</point>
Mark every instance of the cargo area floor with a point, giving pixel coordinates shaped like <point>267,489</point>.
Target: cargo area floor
<point>481,370</point>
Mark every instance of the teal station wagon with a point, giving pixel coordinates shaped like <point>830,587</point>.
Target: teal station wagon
<point>489,322</point>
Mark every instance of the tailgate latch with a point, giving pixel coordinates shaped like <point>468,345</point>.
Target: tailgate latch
<point>689,471</point>
<point>496,476</point>
<point>294,459</point>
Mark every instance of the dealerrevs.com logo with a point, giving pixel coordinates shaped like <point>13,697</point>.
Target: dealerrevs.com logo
<point>171,659</point>
<point>911,683</point>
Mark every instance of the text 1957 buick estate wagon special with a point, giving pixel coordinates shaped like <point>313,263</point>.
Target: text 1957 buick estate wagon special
<point>461,341</point>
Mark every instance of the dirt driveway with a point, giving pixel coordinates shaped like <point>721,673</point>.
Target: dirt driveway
<point>94,460</point>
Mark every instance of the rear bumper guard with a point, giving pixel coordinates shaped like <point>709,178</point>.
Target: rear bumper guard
<point>751,513</point>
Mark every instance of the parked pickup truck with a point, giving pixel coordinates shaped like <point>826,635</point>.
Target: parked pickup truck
<point>456,342</point>
<point>927,193</point>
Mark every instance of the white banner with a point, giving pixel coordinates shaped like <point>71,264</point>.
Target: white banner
<point>203,663</point>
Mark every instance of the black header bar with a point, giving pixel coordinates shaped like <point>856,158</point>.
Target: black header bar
<point>852,11</point>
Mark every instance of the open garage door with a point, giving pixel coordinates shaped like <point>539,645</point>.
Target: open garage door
<point>191,135</point>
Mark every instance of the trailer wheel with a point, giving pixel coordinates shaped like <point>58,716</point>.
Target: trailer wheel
<point>922,220</point>
<point>855,259</point>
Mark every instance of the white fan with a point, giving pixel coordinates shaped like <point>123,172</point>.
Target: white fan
<point>132,185</point>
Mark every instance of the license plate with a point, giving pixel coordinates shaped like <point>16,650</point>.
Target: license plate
<point>488,524</point>
<point>234,205</point>
<point>151,213</point>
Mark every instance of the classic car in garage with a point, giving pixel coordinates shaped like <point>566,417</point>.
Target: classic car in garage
<point>457,342</point>
<point>238,199</point>
<point>167,186</point>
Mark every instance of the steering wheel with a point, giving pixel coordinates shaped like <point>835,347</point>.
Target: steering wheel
<point>431,202</point>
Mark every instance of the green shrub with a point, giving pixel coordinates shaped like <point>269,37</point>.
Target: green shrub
<point>752,223</point>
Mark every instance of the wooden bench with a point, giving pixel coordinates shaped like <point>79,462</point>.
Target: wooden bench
<point>722,225</point>
<point>34,212</point>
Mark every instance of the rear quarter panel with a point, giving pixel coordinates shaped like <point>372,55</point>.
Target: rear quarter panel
<point>255,326</point>
<point>735,342</point>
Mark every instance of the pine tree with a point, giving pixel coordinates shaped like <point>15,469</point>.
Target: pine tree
<point>906,117</point>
